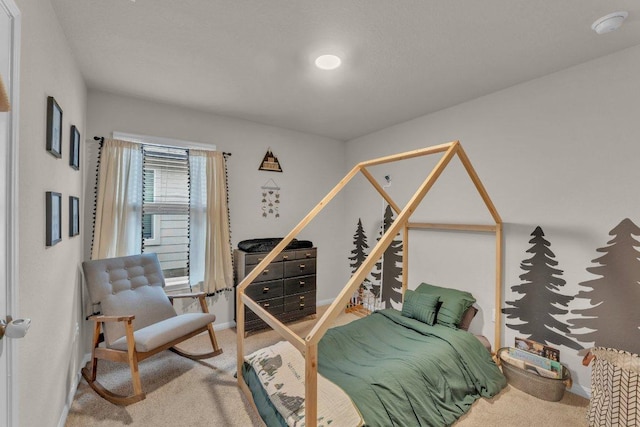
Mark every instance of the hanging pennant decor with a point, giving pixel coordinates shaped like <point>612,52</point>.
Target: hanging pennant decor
<point>270,162</point>
<point>270,199</point>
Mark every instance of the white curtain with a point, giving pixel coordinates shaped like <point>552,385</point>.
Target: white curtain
<point>197,216</point>
<point>118,224</point>
<point>210,260</point>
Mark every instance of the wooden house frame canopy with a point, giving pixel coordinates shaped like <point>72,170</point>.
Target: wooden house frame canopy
<point>309,345</point>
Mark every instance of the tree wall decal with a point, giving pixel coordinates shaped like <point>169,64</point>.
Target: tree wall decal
<point>614,318</point>
<point>389,269</point>
<point>359,252</point>
<point>376,275</point>
<point>541,299</point>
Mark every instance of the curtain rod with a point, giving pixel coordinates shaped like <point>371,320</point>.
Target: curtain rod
<point>101,139</point>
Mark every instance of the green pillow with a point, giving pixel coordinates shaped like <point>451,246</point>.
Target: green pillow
<point>421,307</point>
<point>454,303</point>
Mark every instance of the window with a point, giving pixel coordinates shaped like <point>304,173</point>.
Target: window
<point>168,197</point>
<point>165,209</point>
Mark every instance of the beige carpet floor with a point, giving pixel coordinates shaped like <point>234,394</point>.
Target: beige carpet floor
<point>182,392</point>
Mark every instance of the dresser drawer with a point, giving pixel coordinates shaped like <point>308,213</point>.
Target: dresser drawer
<point>256,258</point>
<point>273,271</point>
<point>295,285</point>
<point>273,306</point>
<point>301,267</point>
<point>299,302</point>
<point>306,253</point>
<point>264,290</point>
<point>287,255</point>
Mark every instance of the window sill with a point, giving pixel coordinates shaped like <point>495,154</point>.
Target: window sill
<point>176,285</point>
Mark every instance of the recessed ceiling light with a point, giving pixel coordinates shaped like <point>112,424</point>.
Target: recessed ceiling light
<point>328,62</point>
<point>610,22</point>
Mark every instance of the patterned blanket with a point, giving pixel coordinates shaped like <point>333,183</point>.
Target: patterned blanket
<point>280,368</point>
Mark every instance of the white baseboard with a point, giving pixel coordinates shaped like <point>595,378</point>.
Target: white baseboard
<point>581,390</point>
<point>325,302</point>
<point>72,392</point>
<point>226,325</point>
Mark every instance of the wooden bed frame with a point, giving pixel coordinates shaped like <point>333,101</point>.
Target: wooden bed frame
<point>309,345</point>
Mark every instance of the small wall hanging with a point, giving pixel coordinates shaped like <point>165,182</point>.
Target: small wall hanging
<point>270,199</point>
<point>270,162</point>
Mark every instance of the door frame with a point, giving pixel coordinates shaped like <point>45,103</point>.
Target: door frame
<point>10,182</point>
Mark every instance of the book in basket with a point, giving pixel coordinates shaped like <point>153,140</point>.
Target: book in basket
<point>541,365</point>
<point>537,348</point>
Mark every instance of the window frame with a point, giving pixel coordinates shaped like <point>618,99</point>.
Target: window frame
<point>171,284</point>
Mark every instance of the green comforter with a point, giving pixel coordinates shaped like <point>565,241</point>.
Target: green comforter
<point>401,372</point>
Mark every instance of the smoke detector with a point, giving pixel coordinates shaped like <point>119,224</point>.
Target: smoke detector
<point>610,22</point>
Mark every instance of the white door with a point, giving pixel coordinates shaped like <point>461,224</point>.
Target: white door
<point>9,61</point>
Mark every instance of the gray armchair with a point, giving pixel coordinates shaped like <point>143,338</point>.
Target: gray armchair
<point>137,318</point>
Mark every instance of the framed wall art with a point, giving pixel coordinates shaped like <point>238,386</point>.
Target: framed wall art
<point>270,162</point>
<point>54,127</point>
<point>53,218</point>
<point>74,154</point>
<point>74,216</point>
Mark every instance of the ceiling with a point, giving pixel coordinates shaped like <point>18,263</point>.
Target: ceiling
<point>253,59</point>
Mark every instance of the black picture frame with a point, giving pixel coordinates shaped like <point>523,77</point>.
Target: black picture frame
<point>53,218</point>
<point>74,216</point>
<point>54,127</point>
<point>74,153</point>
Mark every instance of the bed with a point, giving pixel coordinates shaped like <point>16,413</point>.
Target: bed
<point>453,367</point>
<point>396,370</point>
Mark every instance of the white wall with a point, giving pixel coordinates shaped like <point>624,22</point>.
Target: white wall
<point>311,165</point>
<point>560,152</point>
<point>49,285</point>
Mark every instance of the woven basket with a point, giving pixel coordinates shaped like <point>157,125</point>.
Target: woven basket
<point>551,389</point>
<point>615,388</point>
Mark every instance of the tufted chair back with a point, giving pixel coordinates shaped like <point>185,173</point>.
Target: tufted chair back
<point>130,285</point>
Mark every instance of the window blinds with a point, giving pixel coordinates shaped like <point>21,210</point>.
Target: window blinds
<point>165,208</point>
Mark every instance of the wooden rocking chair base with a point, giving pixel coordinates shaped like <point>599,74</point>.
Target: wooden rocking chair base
<point>195,356</point>
<point>89,372</point>
<point>199,356</point>
<point>114,398</point>
<point>122,400</point>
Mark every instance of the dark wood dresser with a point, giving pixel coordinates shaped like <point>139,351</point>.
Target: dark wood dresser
<point>286,288</point>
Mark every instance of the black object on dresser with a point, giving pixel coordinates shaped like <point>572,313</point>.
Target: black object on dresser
<point>286,288</point>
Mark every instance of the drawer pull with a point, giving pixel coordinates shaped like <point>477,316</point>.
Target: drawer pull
<point>301,297</point>
<point>301,266</point>
<point>285,256</point>
<point>302,283</point>
<point>265,289</point>
<point>307,255</point>
<point>266,305</point>
<point>301,305</point>
<point>265,272</point>
<point>260,259</point>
